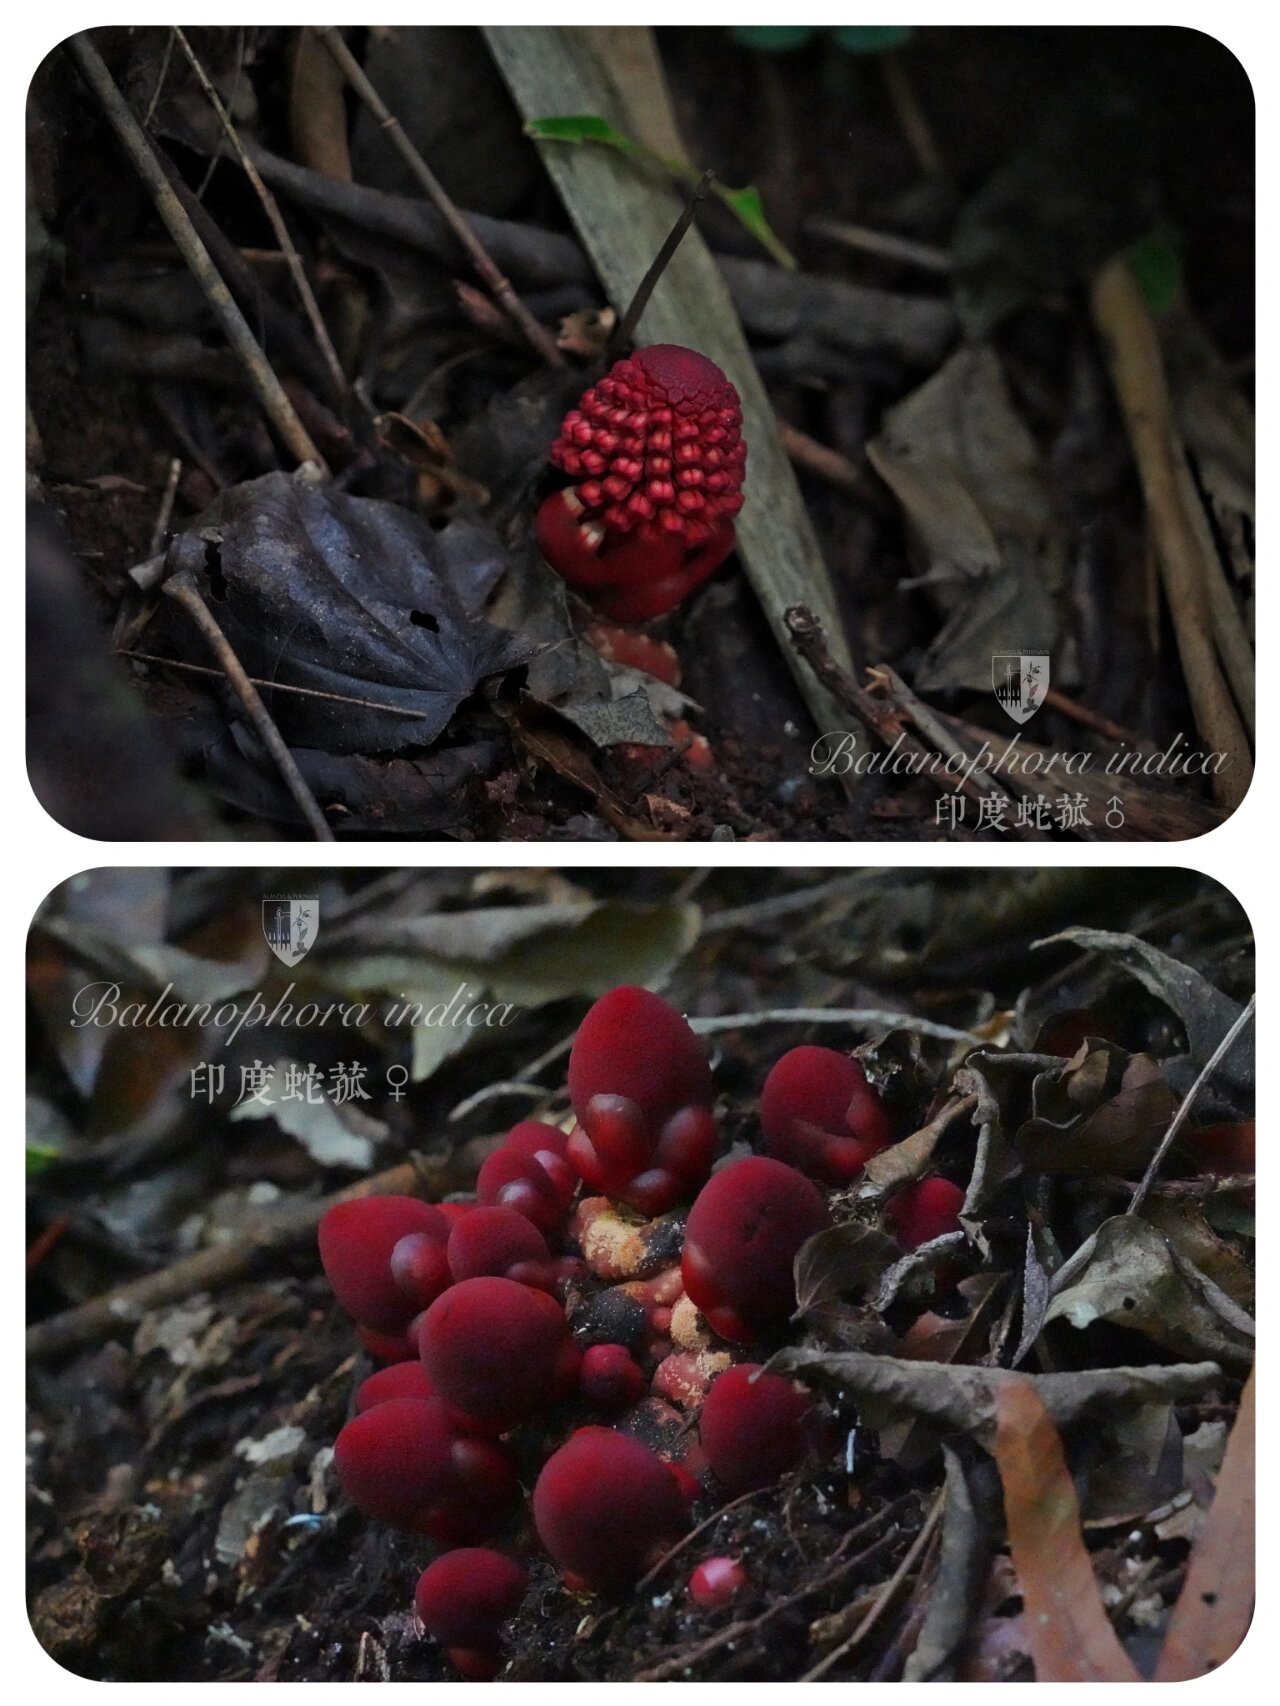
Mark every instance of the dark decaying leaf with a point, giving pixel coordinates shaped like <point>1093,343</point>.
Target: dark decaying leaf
<point>1205,1011</point>
<point>1215,1606</point>
<point>1104,1111</point>
<point>979,505</point>
<point>357,597</point>
<point>968,1538</point>
<point>1002,1083</point>
<point>1184,1225</point>
<point>1128,1273</point>
<point>1070,1635</point>
<point>844,1258</point>
<point>964,1398</point>
<point>941,1339</point>
<point>910,1158</point>
<point>420,794</point>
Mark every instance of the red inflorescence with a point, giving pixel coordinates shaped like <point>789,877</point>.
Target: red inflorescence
<point>641,1090</point>
<point>500,1241</point>
<point>409,1463</point>
<point>924,1211</point>
<point>384,1258</point>
<point>610,1377</point>
<point>753,1430</point>
<point>464,1598</point>
<point>716,1581</point>
<point>656,455</point>
<point>497,1352</point>
<point>529,1173</point>
<point>401,1380</point>
<point>820,1113</point>
<point>606,1507</point>
<point>741,1240</point>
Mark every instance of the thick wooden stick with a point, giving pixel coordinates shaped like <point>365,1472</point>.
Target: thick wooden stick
<point>1137,370</point>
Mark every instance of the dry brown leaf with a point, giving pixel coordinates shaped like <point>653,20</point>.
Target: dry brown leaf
<point>1215,1606</point>
<point>1066,1626</point>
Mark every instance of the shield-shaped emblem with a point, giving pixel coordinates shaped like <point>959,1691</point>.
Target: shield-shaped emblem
<point>1020,680</point>
<point>290,922</point>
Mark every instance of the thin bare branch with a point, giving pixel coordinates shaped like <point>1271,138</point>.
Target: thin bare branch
<point>279,410</point>
<point>537,335</point>
<point>276,219</point>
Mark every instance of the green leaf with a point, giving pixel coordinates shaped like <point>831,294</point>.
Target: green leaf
<point>521,957</point>
<point>748,209</point>
<point>580,127</point>
<point>745,204</point>
<point>872,38</point>
<point>39,1156</point>
<point>1155,264</point>
<point>772,38</point>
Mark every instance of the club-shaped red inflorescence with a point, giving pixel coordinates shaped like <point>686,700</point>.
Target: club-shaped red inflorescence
<point>656,457</point>
<point>606,1507</point>
<point>385,1259</point>
<point>500,1241</point>
<point>641,1090</point>
<point>529,1173</point>
<point>924,1211</point>
<point>498,1352</point>
<point>741,1240</point>
<point>401,1380</point>
<point>610,1377</point>
<point>410,1463</point>
<point>464,1598</point>
<point>821,1114</point>
<point>753,1427</point>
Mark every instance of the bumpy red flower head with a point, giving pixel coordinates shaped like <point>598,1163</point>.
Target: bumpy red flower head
<point>656,455</point>
<point>641,1089</point>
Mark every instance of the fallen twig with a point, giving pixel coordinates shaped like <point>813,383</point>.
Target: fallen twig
<point>271,208</point>
<point>883,243</point>
<point>829,465</point>
<point>278,408</point>
<point>883,719</point>
<point>732,1634</point>
<point>884,1598</point>
<point>271,686</point>
<point>181,587</point>
<point>209,1270</point>
<point>1137,370</point>
<point>1188,1102</point>
<point>537,335</point>
<point>874,1016</point>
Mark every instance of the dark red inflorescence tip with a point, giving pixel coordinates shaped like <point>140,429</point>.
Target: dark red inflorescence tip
<point>820,1113</point>
<point>464,1598</point>
<point>641,1090</point>
<point>401,1380</point>
<point>500,1241</point>
<point>529,1173</point>
<point>606,1507</point>
<point>743,1233</point>
<point>924,1211</point>
<point>384,1258</point>
<point>407,1462</point>
<point>715,1582</point>
<point>753,1431</point>
<point>656,456</point>
<point>497,1351</point>
<point>610,1377</point>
